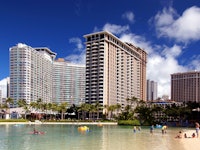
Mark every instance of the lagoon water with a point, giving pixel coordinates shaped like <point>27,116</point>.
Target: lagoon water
<point>67,137</point>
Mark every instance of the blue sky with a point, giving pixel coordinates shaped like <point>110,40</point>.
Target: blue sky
<point>168,30</point>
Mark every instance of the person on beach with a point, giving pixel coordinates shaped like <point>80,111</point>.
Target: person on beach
<point>197,128</point>
<point>151,129</point>
<point>179,135</point>
<point>193,135</point>
<point>134,129</point>
<point>164,129</point>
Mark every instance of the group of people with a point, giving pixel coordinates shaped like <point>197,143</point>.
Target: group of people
<point>136,129</point>
<point>193,135</point>
<point>163,129</point>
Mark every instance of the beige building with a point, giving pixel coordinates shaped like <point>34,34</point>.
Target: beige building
<point>185,86</point>
<point>114,70</point>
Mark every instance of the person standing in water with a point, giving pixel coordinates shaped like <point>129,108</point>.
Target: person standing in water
<point>164,129</point>
<point>197,128</point>
<point>134,129</point>
<point>151,129</point>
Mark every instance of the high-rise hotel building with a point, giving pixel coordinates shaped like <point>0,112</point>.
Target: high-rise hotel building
<point>68,82</point>
<point>185,86</point>
<point>31,71</point>
<point>114,70</point>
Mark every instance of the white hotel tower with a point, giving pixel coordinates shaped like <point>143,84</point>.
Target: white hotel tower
<point>68,82</point>
<point>31,73</point>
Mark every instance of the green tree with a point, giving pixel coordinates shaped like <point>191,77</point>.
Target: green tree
<point>145,115</point>
<point>62,108</point>
<point>84,108</point>
<point>9,102</point>
<point>22,103</point>
<point>98,108</point>
<point>111,109</point>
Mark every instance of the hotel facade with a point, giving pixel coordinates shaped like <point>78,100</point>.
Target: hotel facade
<point>31,71</point>
<point>68,82</point>
<point>185,86</point>
<point>115,70</point>
<point>35,74</point>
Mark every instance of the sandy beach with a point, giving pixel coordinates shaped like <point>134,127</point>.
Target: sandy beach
<point>189,143</point>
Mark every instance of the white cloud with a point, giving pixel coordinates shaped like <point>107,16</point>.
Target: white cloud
<point>129,16</point>
<point>78,43</point>
<point>115,29</point>
<point>195,63</point>
<point>77,58</point>
<point>165,18</point>
<point>161,66</point>
<point>183,28</point>
<point>172,52</point>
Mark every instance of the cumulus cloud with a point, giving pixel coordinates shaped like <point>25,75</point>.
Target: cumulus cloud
<point>115,29</point>
<point>173,52</point>
<point>78,42</point>
<point>195,63</point>
<point>77,58</point>
<point>129,16</point>
<point>184,28</point>
<point>161,66</point>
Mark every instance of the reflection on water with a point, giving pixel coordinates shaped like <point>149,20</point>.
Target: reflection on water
<point>67,137</point>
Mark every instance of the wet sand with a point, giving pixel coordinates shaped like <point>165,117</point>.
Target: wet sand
<point>190,143</point>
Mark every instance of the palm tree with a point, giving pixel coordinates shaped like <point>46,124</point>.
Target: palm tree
<point>34,106</point>
<point>62,108</point>
<point>111,108</point>
<point>118,107</point>
<point>84,108</point>
<point>91,110</point>
<point>9,102</point>
<point>106,110</point>
<point>97,107</point>
<point>23,103</point>
<point>54,107</point>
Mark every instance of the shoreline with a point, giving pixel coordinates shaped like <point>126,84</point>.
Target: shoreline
<point>67,123</point>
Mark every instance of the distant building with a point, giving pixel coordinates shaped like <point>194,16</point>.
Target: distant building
<point>31,73</point>
<point>185,86</point>
<point>114,70</point>
<point>4,87</point>
<point>68,82</point>
<point>151,90</point>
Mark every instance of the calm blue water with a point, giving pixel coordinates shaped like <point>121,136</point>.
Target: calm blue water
<point>67,137</point>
